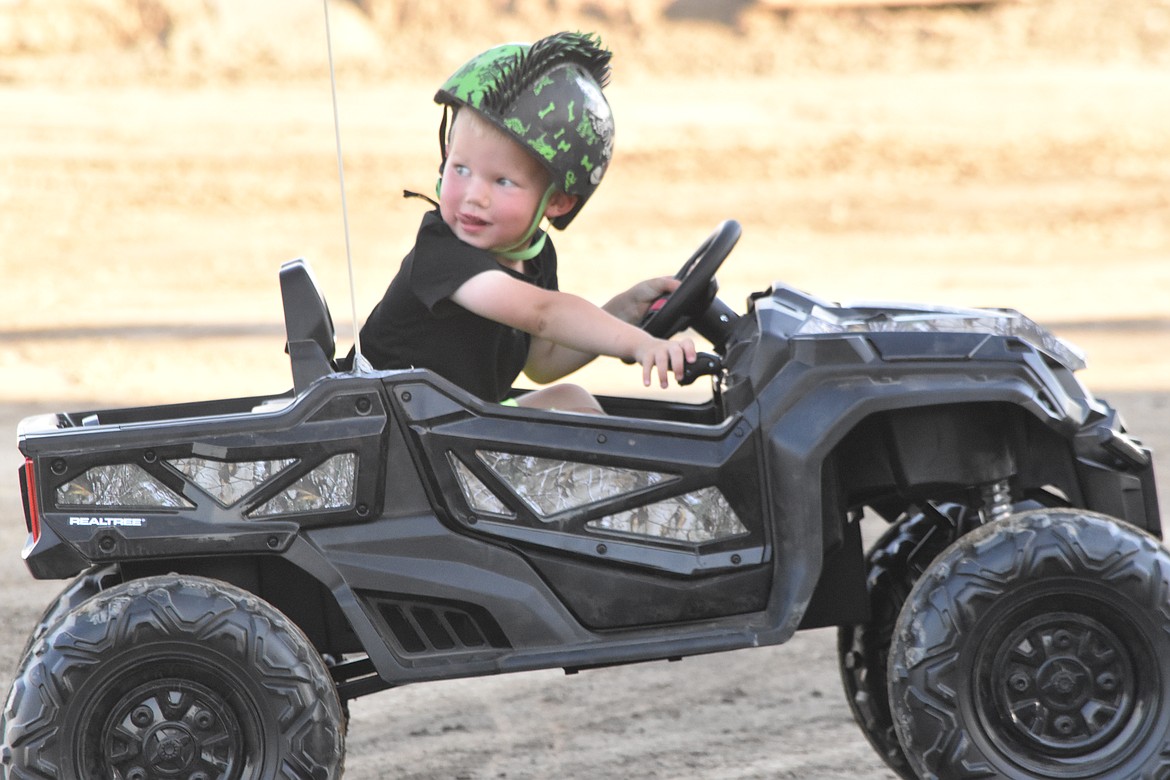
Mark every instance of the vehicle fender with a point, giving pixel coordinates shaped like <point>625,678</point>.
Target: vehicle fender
<point>805,414</point>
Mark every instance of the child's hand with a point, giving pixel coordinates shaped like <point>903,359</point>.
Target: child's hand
<point>632,304</point>
<point>663,357</point>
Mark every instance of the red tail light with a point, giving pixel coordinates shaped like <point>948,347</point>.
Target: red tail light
<point>32,512</point>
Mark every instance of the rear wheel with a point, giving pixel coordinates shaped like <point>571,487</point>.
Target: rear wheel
<point>85,586</point>
<point>1038,647</point>
<point>173,677</point>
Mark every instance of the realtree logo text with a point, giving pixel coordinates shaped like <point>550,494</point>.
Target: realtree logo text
<point>107,522</point>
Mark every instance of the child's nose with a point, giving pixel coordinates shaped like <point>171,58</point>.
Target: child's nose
<point>478,191</point>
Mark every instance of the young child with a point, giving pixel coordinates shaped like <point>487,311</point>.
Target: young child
<point>476,299</point>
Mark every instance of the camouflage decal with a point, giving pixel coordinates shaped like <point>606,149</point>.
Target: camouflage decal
<point>541,147</point>
<point>550,487</point>
<point>516,126</point>
<point>540,84</point>
<point>585,130</point>
<point>477,79</point>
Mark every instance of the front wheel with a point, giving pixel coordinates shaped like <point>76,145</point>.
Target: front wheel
<point>1038,646</point>
<point>173,677</point>
<point>894,563</point>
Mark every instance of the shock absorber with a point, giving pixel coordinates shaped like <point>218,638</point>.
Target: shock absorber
<point>997,500</point>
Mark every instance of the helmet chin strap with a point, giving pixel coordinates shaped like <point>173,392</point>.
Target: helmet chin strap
<point>522,250</point>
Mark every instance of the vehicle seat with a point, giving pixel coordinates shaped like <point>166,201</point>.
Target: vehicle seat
<point>312,341</point>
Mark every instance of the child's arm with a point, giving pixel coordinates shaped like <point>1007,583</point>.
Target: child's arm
<point>569,331</point>
<point>549,361</point>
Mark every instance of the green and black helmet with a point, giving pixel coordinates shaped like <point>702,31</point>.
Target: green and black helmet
<point>548,96</point>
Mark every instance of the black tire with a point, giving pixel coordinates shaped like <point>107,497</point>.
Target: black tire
<point>173,677</point>
<point>87,585</point>
<point>1038,646</point>
<point>894,563</point>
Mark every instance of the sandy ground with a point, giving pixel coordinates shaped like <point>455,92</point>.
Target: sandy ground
<point>142,222</point>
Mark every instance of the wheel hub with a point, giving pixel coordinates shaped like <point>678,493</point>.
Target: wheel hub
<point>1065,683</point>
<point>172,730</point>
<point>169,749</point>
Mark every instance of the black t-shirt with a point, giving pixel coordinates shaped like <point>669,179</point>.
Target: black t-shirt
<point>417,325</point>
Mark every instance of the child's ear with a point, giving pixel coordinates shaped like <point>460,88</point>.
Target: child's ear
<point>560,204</point>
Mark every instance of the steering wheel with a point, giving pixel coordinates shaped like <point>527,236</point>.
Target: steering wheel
<point>671,313</point>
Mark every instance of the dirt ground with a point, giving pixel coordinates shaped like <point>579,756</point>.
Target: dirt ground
<point>155,172</point>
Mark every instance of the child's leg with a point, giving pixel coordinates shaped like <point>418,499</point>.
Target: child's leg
<point>563,397</point>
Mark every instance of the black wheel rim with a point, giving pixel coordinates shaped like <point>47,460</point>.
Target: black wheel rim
<point>1062,692</point>
<point>172,717</point>
<point>172,728</point>
<point>1065,684</point>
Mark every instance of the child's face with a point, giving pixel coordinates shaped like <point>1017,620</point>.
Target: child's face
<point>491,186</point>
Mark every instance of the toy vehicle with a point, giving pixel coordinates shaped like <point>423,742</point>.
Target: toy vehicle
<point>242,568</point>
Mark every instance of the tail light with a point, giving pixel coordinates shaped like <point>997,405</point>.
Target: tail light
<point>32,513</point>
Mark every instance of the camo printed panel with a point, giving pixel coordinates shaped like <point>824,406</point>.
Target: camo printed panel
<point>331,485</point>
<point>551,486</point>
<point>478,495</point>
<point>121,485</point>
<point>701,516</point>
<point>228,482</point>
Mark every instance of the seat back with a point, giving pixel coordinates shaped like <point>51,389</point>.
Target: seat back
<point>312,341</point>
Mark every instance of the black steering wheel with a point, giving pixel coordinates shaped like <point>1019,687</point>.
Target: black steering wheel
<point>671,313</point>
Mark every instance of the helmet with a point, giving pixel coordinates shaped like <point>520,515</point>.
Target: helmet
<point>547,95</point>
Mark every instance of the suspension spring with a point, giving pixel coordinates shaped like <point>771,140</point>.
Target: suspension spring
<point>997,500</point>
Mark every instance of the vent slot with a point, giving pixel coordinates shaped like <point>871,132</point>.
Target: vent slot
<point>426,626</point>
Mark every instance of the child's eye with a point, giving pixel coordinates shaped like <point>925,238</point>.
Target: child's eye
<point>505,182</point>
<point>460,170</point>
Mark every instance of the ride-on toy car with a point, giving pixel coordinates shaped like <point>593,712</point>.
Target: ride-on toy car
<point>242,568</point>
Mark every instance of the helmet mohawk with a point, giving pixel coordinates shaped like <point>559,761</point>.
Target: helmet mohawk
<point>518,72</point>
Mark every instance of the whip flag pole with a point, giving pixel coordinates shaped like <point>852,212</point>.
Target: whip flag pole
<point>360,364</point>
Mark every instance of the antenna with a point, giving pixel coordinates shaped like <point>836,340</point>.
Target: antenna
<point>360,364</point>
